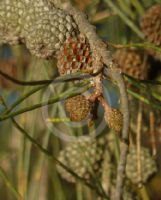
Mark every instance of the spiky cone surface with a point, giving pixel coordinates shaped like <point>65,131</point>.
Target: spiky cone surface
<point>151,27</point>
<point>75,56</point>
<point>114,119</point>
<point>10,14</point>
<point>148,165</point>
<point>132,63</point>
<point>78,107</point>
<point>37,23</point>
<point>84,157</point>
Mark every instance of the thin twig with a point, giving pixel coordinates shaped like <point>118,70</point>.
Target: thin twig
<point>125,18</point>
<point>124,5</point>
<point>136,45</point>
<point>15,193</point>
<point>143,99</point>
<point>153,133</point>
<point>143,81</point>
<point>22,98</point>
<point>61,79</point>
<point>62,96</point>
<point>138,143</point>
<point>138,5</point>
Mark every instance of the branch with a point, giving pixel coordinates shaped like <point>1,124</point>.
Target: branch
<point>66,78</point>
<point>99,48</point>
<point>70,93</point>
<point>138,45</point>
<point>8,183</point>
<point>142,81</point>
<point>116,75</point>
<point>124,18</point>
<point>143,99</point>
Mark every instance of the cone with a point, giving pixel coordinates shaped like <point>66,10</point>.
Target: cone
<point>148,165</point>
<point>114,118</point>
<point>151,27</point>
<point>75,56</point>
<point>46,34</point>
<point>78,107</point>
<point>133,63</point>
<point>84,157</point>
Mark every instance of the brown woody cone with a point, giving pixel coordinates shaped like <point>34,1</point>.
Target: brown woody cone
<point>78,107</point>
<point>151,27</point>
<point>114,118</point>
<point>75,56</point>
<point>132,63</point>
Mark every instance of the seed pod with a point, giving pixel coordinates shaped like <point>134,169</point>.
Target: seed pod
<point>114,118</point>
<point>78,107</point>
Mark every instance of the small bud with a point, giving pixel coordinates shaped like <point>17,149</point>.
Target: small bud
<point>114,118</point>
<point>78,107</point>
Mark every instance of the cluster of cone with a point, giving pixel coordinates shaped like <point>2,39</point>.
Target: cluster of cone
<point>93,154</point>
<point>81,108</point>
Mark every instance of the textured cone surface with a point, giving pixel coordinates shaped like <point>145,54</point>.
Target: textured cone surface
<point>37,23</point>
<point>10,15</point>
<point>50,28</point>
<point>84,157</point>
<point>75,56</point>
<point>148,165</point>
<point>114,118</point>
<point>78,107</point>
<point>151,24</point>
<point>132,63</point>
<point>151,27</point>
